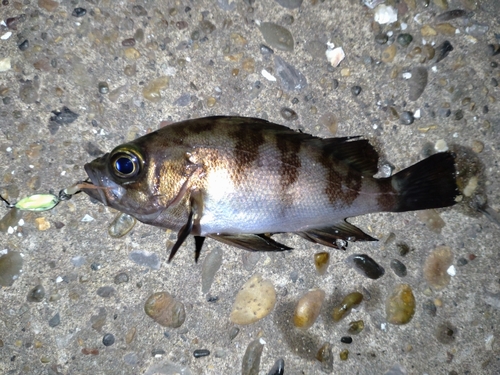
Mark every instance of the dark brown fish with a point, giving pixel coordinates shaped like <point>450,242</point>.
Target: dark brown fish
<point>239,180</point>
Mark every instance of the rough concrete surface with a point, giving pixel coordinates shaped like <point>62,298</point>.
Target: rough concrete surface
<point>216,68</point>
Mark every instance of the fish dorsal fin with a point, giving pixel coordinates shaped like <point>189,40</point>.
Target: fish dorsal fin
<point>357,153</point>
<point>329,236</point>
<point>252,242</point>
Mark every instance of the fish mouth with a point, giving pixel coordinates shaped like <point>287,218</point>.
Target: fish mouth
<point>95,179</point>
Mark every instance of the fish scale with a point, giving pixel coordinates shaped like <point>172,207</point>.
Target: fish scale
<point>239,180</point>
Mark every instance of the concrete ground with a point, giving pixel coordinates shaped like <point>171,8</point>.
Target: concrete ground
<point>212,53</point>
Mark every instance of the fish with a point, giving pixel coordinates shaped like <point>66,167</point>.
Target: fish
<point>240,180</point>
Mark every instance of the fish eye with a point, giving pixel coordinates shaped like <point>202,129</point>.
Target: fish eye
<point>125,164</point>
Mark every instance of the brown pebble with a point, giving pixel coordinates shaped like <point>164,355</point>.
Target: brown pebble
<point>165,310</point>
<point>349,301</point>
<point>432,220</point>
<point>400,306</point>
<point>130,42</point>
<point>436,265</point>
<point>48,5</point>
<point>92,351</point>
<point>321,261</point>
<point>308,309</point>
<point>389,53</point>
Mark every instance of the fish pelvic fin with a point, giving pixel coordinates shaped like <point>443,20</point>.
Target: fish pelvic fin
<point>336,236</point>
<point>252,242</point>
<point>431,183</point>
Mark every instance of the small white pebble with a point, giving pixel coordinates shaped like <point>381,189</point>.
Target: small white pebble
<point>390,33</point>
<point>383,327</point>
<point>268,75</point>
<point>188,59</point>
<point>407,75</point>
<point>417,113</point>
<point>385,14</point>
<point>441,146</point>
<point>434,69</point>
<point>8,149</point>
<point>262,342</point>
<point>452,271</point>
<point>31,166</point>
<point>6,36</point>
<point>87,218</point>
<point>375,126</point>
<point>488,342</point>
<point>63,173</point>
<point>455,135</point>
<point>404,26</point>
<point>4,251</point>
<point>59,279</point>
<point>10,230</point>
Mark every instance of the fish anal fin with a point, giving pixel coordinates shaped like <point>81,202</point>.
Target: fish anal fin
<point>252,242</point>
<point>333,236</point>
<point>357,153</point>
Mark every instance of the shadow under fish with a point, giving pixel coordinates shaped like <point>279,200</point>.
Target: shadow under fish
<point>240,180</point>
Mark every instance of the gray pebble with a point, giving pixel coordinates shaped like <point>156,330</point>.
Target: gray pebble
<point>121,278</point>
<point>430,308</point>
<point>24,45</point>
<point>462,262</point>
<point>288,114</point>
<point>290,4</point>
<point>233,332</point>
<point>494,82</point>
<point>103,87</point>
<point>265,50</point>
<point>157,352</point>
<point>381,38</point>
<point>131,359</point>
<point>78,261</point>
<point>95,266</point>
<point>55,320</point>
<point>406,118</point>
<point>459,114</point>
<point>139,11</point>
<point>444,112</point>
<point>36,294</point>
<point>418,82</point>
<point>399,268</point>
<point>211,265</point>
<point>227,5</point>
<point>146,259</point>
<point>201,353</point>
<point>443,50</point>
<point>250,259</point>
<point>251,360</point>
<point>290,78</point>
<point>356,90</point>
<point>183,100</point>
<point>450,15</point>
<point>277,36</point>
<point>278,368</point>
<point>64,116</point>
<point>79,12</point>
<point>108,339</point>
<point>404,39</point>
<point>106,291</point>
<point>11,265</point>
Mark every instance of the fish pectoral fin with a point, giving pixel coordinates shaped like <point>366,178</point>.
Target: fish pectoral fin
<point>182,235</point>
<point>252,242</point>
<point>330,236</point>
<point>192,226</point>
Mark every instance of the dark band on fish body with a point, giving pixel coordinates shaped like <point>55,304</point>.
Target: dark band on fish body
<point>290,161</point>
<point>246,150</point>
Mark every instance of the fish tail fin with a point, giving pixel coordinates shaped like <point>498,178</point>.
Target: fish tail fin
<point>431,183</point>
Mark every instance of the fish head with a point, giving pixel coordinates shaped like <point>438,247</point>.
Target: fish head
<point>121,179</point>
